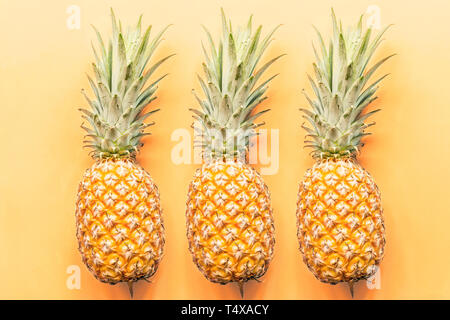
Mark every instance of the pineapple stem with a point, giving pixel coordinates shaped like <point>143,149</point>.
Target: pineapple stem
<point>241,288</point>
<point>130,288</point>
<point>350,286</point>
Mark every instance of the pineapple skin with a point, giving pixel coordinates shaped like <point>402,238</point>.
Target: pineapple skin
<point>229,222</point>
<point>340,226</point>
<point>119,225</point>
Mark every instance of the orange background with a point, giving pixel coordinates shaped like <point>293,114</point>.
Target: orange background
<point>42,70</point>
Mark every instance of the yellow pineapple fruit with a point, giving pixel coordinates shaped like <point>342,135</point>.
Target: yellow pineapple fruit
<point>229,216</point>
<point>339,214</point>
<point>118,213</point>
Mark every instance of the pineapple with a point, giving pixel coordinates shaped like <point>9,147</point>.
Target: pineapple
<point>339,214</point>
<point>229,216</point>
<point>118,213</point>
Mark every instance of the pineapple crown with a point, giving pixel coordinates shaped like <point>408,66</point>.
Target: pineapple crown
<point>116,117</point>
<point>226,117</point>
<point>337,117</point>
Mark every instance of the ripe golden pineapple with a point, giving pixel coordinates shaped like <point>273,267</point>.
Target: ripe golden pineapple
<point>118,216</point>
<point>229,217</point>
<point>339,213</point>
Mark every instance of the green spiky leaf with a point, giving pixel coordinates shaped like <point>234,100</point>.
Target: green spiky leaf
<point>116,117</point>
<point>231,88</point>
<point>341,91</point>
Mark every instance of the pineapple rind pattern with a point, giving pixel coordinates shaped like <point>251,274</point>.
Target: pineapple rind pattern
<point>229,222</point>
<point>340,222</point>
<point>119,224</point>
